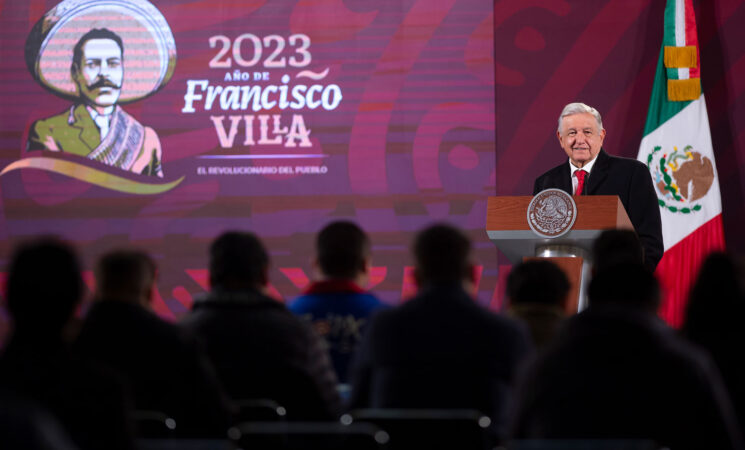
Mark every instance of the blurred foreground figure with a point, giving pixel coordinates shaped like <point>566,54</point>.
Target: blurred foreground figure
<point>260,350</point>
<point>538,291</point>
<point>616,371</point>
<point>440,349</point>
<point>615,247</point>
<point>336,305</point>
<point>714,321</point>
<point>25,426</point>
<point>163,365</point>
<point>44,288</point>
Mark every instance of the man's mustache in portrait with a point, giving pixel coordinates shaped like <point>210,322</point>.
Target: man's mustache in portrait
<point>103,82</point>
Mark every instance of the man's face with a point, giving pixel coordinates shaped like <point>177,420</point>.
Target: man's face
<point>580,138</point>
<point>99,74</point>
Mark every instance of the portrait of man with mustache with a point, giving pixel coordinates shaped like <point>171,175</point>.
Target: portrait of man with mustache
<point>96,126</point>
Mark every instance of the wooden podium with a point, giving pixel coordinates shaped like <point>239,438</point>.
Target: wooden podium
<point>507,227</point>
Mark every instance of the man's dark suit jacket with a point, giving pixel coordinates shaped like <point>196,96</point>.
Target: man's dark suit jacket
<point>616,373</point>
<point>90,402</point>
<point>165,368</point>
<point>630,180</point>
<point>261,350</point>
<point>439,350</point>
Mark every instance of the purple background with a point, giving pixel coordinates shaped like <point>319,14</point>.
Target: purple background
<point>427,86</point>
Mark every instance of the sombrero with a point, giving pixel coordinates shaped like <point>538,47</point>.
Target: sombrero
<point>149,47</point>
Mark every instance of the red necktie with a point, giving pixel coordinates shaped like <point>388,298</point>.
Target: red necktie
<point>580,181</point>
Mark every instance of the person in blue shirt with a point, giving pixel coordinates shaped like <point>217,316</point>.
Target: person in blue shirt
<point>336,304</point>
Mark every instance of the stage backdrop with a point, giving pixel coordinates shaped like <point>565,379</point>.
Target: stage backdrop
<point>280,116</point>
<point>270,116</point>
<point>604,53</point>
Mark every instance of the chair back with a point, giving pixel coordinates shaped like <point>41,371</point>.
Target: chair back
<point>583,444</point>
<point>292,387</point>
<point>184,444</point>
<point>259,410</point>
<point>308,436</point>
<point>153,424</point>
<point>438,429</point>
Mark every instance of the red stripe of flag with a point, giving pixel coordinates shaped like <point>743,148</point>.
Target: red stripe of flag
<point>692,37</point>
<point>680,265</point>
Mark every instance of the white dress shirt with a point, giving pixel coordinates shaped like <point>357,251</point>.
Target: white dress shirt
<point>587,168</point>
<point>102,120</point>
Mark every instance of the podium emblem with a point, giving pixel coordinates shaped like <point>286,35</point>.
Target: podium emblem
<point>551,213</point>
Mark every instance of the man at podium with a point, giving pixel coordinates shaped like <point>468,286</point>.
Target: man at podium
<point>592,171</point>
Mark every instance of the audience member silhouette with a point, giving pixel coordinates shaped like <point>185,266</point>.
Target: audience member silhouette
<point>440,349</point>
<point>537,291</point>
<point>260,350</point>
<point>26,426</point>
<point>616,371</point>
<point>716,308</point>
<point>336,305</point>
<point>165,368</point>
<point>43,289</point>
<point>614,247</point>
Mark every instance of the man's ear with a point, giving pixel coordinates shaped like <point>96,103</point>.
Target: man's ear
<point>363,274</point>
<point>469,281</point>
<point>558,136</point>
<point>315,265</point>
<point>472,273</point>
<point>417,277</point>
<point>149,296</point>
<point>74,75</point>
<point>264,280</point>
<point>366,265</point>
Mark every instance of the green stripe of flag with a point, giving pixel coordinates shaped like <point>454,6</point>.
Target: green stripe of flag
<point>660,108</point>
<point>668,40</point>
<point>669,36</point>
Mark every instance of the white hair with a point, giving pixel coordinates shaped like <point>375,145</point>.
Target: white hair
<point>580,108</point>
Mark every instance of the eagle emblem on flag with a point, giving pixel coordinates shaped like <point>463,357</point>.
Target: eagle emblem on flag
<point>681,177</point>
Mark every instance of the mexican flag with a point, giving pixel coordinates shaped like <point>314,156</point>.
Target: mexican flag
<point>678,151</point>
